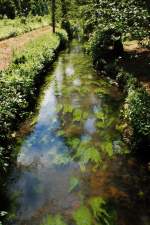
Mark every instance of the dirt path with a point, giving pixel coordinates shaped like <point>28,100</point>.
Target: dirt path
<point>7,47</point>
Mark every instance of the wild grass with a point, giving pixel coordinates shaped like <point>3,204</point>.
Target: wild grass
<point>12,28</point>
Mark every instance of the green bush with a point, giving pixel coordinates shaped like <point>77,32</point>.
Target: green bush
<point>130,17</point>
<point>126,80</point>
<point>105,46</point>
<point>62,34</point>
<point>137,111</point>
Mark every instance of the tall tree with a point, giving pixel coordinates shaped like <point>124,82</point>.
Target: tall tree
<point>53,15</point>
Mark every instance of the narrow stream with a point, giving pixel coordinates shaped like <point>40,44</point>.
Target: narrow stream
<point>74,168</point>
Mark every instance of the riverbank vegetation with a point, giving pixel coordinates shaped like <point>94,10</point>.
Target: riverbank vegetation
<point>12,28</point>
<point>89,132</point>
<point>107,25</point>
<point>20,82</point>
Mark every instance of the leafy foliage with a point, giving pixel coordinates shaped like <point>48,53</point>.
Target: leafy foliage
<point>98,207</point>
<point>137,110</point>
<point>87,153</point>
<point>82,216</point>
<point>131,17</point>
<point>74,183</point>
<point>11,28</point>
<point>53,220</point>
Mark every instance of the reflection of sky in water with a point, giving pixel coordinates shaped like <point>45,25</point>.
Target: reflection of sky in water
<point>77,82</point>
<point>69,70</point>
<point>43,184</point>
<point>89,125</point>
<point>43,139</point>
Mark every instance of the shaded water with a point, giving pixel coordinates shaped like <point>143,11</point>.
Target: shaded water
<point>73,168</point>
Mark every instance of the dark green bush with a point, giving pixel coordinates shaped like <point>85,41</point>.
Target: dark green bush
<point>103,49</point>
<point>65,24</point>
<point>126,80</point>
<point>137,111</point>
<point>63,37</point>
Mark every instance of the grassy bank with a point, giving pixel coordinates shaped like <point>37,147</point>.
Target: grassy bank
<point>19,84</point>
<point>136,111</point>
<point>12,28</point>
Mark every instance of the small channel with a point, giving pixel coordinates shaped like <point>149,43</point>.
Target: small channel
<point>73,168</point>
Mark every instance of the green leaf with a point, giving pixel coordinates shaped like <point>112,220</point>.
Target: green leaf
<point>77,115</point>
<point>82,216</point>
<point>74,183</point>
<point>98,208</point>
<point>67,109</point>
<point>54,220</point>
<point>86,153</point>
<point>108,148</point>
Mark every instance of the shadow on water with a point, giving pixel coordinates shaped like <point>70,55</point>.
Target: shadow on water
<point>74,168</point>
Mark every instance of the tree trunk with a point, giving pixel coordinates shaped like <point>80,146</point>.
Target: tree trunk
<point>53,15</point>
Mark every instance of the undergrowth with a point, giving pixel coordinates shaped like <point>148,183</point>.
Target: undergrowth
<point>12,28</point>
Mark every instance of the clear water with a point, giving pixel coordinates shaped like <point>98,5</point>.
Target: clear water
<point>74,168</point>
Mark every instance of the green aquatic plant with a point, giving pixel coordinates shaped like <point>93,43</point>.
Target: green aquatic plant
<point>104,119</point>
<point>107,147</point>
<point>67,108</point>
<point>100,213</point>
<point>77,115</point>
<point>60,133</point>
<point>59,107</point>
<point>101,116</point>
<point>74,183</point>
<point>82,216</point>
<point>53,220</point>
<point>62,159</point>
<point>87,153</point>
<point>73,142</point>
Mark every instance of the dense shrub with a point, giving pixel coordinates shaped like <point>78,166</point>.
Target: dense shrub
<point>137,111</point>
<point>126,81</point>
<point>18,86</point>
<point>67,26</point>
<point>63,37</point>
<point>130,17</point>
<point>105,47</point>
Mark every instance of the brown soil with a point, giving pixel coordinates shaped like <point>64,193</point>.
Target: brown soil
<point>137,62</point>
<point>7,47</point>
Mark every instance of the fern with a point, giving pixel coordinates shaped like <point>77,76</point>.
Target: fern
<point>61,159</point>
<point>86,153</point>
<point>67,108</point>
<point>98,208</point>
<point>77,115</point>
<point>54,220</point>
<point>82,216</point>
<point>107,147</point>
<point>74,142</point>
<point>74,183</point>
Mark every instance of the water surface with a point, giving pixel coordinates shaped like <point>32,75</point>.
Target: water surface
<point>74,168</point>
